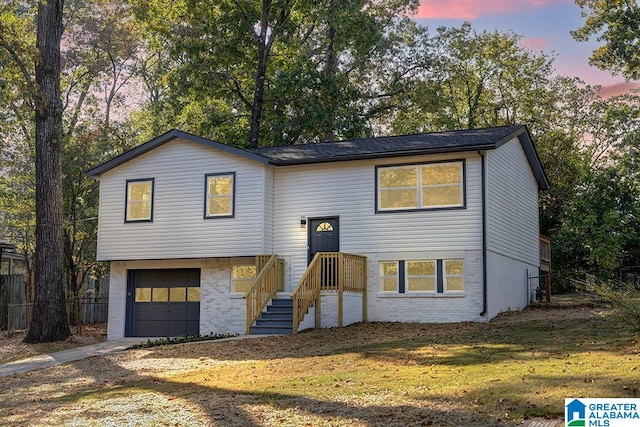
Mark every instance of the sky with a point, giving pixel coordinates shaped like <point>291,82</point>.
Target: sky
<point>543,24</point>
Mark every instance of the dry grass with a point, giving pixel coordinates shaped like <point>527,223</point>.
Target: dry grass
<point>12,348</point>
<point>517,366</point>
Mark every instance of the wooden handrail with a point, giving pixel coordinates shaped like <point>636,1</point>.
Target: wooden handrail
<point>306,292</point>
<point>328,271</point>
<point>264,287</point>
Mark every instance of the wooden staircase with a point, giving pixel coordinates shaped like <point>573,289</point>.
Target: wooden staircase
<point>277,318</point>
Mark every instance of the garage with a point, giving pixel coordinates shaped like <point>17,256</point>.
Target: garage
<point>163,303</point>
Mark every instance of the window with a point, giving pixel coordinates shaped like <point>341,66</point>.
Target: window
<point>424,186</point>
<point>139,202</point>
<point>453,279</point>
<point>242,277</point>
<point>389,276</point>
<point>177,294</point>
<point>422,276</point>
<point>219,195</point>
<point>324,226</point>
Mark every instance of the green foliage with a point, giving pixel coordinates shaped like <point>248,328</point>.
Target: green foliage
<point>599,227</point>
<point>181,340</point>
<point>477,80</point>
<point>622,297</point>
<point>332,67</point>
<point>99,51</point>
<point>616,24</point>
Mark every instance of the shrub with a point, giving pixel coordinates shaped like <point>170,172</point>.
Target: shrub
<point>622,296</point>
<point>181,340</point>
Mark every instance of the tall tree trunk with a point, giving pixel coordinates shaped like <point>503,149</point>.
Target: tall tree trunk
<point>261,74</point>
<point>330,70</point>
<point>49,319</point>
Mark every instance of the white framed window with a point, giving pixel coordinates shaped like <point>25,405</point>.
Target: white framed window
<point>242,277</point>
<point>139,200</point>
<point>427,277</point>
<point>420,186</point>
<point>219,195</point>
<point>389,276</point>
<point>453,275</point>
<point>421,276</point>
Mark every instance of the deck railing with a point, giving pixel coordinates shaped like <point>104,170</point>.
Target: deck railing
<point>545,264</point>
<point>328,271</point>
<point>545,253</point>
<point>264,288</point>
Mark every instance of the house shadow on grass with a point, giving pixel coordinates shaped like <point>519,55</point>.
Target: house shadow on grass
<point>223,406</point>
<point>517,337</point>
<point>216,402</point>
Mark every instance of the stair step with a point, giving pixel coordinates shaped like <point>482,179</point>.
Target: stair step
<point>286,323</point>
<point>282,302</point>
<point>278,309</point>
<point>276,319</point>
<point>264,330</point>
<point>275,315</point>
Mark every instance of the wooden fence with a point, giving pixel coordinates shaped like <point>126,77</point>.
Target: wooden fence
<point>12,291</point>
<point>88,310</point>
<point>15,311</point>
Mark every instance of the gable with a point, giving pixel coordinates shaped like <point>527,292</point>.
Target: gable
<point>168,137</point>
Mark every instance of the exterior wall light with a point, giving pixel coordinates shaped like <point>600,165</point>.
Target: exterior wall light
<point>303,222</point>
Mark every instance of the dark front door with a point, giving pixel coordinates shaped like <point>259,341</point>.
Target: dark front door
<point>163,303</point>
<point>324,237</point>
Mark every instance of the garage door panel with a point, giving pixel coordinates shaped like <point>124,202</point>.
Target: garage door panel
<point>193,327</point>
<point>177,312</point>
<point>150,328</point>
<point>151,312</point>
<point>164,302</point>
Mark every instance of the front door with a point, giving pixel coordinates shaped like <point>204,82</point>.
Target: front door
<point>324,237</point>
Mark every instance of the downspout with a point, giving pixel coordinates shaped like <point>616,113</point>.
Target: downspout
<point>484,235</point>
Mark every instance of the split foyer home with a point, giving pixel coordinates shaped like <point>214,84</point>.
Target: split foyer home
<point>203,237</point>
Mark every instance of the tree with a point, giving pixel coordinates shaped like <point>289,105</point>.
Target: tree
<point>295,71</point>
<point>477,80</point>
<point>49,316</point>
<point>617,24</point>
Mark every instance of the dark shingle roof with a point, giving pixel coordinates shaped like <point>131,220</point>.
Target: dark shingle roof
<point>390,146</point>
<point>358,149</point>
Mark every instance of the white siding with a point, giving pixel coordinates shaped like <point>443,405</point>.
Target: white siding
<point>178,229</point>
<point>268,210</point>
<point>513,218</point>
<point>347,190</point>
<point>508,285</point>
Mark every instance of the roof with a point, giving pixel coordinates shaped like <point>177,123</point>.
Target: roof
<point>358,149</point>
<point>163,139</point>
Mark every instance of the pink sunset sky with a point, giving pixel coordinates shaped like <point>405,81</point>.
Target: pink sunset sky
<point>543,24</point>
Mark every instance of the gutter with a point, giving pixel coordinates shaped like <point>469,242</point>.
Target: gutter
<point>484,235</point>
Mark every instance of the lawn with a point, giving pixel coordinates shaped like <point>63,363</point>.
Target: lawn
<point>519,365</point>
<point>13,348</point>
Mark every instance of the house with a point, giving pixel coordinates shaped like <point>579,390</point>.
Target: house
<point>439,227</point>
